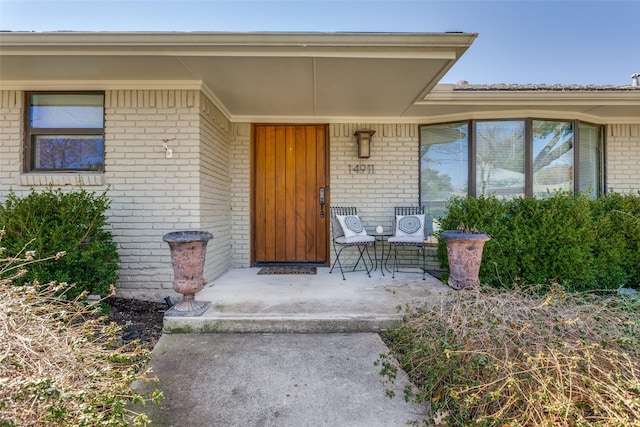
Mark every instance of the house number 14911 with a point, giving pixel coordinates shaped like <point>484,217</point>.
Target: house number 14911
<point>362,169</point>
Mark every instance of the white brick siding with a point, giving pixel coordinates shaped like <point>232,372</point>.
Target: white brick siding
<point>11,120</point>
<point>152,195</point>
<point>390,175</point>
<point>240,215</point>
<point>215,205</point>
<point>623,158</point>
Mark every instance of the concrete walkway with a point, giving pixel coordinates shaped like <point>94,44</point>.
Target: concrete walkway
<point>298,350</point>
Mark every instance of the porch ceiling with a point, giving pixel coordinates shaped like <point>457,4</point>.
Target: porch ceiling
<point>252,76</point>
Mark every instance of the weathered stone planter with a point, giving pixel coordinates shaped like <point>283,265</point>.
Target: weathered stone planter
<point>188,253</point>
<point>464,252</point>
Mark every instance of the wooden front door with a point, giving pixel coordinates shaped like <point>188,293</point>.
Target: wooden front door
<point>289,174</point>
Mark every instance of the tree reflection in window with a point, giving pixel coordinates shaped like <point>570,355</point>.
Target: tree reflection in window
<point>68,152</point>
<point>500,158</point>
<point>552,157</point>
<point>444,159</point>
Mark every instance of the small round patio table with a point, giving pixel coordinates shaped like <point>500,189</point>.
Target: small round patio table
<point>380,237</point>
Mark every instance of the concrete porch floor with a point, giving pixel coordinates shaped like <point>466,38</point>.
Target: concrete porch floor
<point>298,350</point>
<point>242,301</point>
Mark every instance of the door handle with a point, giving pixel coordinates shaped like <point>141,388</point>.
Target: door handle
<point>321,199</point>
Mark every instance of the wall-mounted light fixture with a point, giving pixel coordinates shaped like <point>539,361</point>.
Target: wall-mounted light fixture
<point>364,142</point>
<point>168,152</point>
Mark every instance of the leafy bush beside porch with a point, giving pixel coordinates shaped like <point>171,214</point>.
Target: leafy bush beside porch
<point>43,224</point>
<point>568,239</point>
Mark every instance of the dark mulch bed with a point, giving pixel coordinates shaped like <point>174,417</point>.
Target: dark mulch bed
<point>140,320</point>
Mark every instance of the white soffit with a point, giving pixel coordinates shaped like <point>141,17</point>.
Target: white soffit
<point>252,75</point>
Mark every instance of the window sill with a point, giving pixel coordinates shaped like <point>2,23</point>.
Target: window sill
<point>44,179</point>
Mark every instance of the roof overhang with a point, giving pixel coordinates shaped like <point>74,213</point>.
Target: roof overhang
<point>295,77</point>
<point>604,105</point>
<point>250,76</point>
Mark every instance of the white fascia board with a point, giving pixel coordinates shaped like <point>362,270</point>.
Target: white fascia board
<point>347,45</point>
<point>520,113</point>
<point>531,98</point>
<point>240,40</point>
<point>507,114</point>
<point>248,54</point>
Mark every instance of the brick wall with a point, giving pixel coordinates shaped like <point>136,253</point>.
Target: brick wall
<point>388,178</point>
<point>151,194</point>
<point>240,161</point>
<point>215,203</point>
<point>10,140</point>
<point>623,158</point>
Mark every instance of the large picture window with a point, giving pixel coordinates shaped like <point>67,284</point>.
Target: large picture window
<point>65,132</point>
<point>552,157</point>
<point>590,159</point>
<point>499,159</point>
<point>444,160</point>
<point>509,158</point>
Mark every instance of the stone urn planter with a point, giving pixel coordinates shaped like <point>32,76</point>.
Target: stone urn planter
<point>464,252</point>
<point>188,253</point>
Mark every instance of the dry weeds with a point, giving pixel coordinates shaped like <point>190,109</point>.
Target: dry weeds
<point>516,358</point>
<point>59,362</point>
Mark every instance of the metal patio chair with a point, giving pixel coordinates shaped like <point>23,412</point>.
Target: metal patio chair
<point>411,227</point>
<point>355,239</point>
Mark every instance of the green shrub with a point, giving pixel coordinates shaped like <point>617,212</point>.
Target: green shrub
<point>74,222</point>
<point>568,239</point>
<point>617,245</point>
<point>521,358</point>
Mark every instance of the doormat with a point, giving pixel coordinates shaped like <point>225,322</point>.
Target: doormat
<point>287,270</point>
